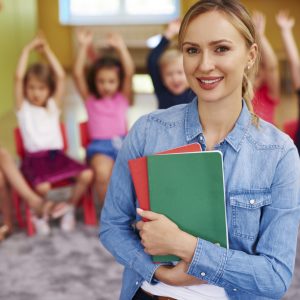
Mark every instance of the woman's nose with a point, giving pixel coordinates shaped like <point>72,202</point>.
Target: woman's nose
<point>206,63</point>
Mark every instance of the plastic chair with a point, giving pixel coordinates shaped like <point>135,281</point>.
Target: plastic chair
<point>87,199</point>
<point>290,128</point>
<point>84,134</point>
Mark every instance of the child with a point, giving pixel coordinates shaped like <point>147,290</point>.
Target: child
<point>267,84</point>
<point>11,176</point>
<point>165,66</point>
<point>38,93</point>
<point>286,25</point>
<point>107,92</point>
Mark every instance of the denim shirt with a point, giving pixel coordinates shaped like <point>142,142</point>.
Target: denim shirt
<point>262,179</point>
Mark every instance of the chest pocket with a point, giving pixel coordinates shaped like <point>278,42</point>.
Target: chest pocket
<point>247,209</point>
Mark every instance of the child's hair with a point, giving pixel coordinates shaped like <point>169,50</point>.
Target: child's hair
<point>43,73</point>
<point>105,62</point>
<point>241,20</point>
<point>169,56</point>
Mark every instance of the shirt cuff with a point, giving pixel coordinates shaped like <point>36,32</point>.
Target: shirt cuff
<point>145,267</point>
<point>208,262</point>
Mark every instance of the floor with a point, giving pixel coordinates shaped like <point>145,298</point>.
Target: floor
<point>68,266</point>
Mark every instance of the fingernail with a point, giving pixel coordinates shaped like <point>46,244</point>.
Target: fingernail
<point>139,210</point>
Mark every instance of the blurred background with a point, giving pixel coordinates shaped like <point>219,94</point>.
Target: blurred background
<point>75,266</point>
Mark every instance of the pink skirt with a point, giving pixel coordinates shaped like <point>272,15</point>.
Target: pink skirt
<point>50,166</point>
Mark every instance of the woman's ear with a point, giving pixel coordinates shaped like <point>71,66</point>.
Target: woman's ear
<point>252,56</point>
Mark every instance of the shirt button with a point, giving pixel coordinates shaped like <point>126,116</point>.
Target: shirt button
<point>234,290</point>
<point>137,283</point>
<point>202,274</point>
<point>252,201</point>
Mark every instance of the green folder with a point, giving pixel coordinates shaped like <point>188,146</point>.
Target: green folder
<point>188,188</point>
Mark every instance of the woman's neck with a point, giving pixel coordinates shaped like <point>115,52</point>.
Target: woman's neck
<point>218,119</point>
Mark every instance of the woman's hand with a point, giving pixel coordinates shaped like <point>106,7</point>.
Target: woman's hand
<point>177,275</point>
<point>161,236</point>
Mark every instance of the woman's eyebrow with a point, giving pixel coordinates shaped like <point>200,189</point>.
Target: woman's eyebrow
<point>210,43</point>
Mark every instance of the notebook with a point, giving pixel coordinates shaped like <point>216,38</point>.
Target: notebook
<point>188,188</point>
<point>139,173</point>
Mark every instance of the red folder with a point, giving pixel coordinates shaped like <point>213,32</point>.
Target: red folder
<point>139,173</point>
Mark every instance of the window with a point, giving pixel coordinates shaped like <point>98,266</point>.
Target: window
<point>116,12</point>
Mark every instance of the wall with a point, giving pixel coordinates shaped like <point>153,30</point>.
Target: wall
<point>59,37</point>
<point>18,22</point>
<point>270,8</point>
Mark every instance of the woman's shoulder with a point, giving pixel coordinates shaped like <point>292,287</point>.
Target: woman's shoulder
<point>268,136</point>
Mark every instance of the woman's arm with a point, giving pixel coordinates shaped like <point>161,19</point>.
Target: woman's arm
<point>268,273</point>
<point>84,38</point>
<point>21,70</point>
<point>58,70</point>
<point>286,25</point>
<point>115,41</point>
<point>269,61</point>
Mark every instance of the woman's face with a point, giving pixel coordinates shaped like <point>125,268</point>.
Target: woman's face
<point>215,57</point>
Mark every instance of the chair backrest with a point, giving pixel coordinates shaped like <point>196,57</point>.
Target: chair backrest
<point>20,144</point>
<point>290,128</point>
<point>84,134</point>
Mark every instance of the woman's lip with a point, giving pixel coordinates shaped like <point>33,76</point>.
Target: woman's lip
<point>209,83</point>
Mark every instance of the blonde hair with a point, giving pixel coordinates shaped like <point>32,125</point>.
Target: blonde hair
<point>240,18</point>
<point>168,56</point>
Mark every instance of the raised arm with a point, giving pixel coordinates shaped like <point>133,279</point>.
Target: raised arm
<point>116,41</point>
<point>58,70</point>
<point>269,61</point>
<point>286,24</point>
<point>171,31</point>
<point>84,38</point>
<point>21,69</point>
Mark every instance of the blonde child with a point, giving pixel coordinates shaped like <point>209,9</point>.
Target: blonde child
<point>38,93</point>
<point>165,67</point>
<point>107,93</point>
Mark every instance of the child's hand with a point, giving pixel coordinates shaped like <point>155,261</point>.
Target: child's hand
<point>115,41</point>
<point>284,21</point>
<point>84,37</point>
<point>259,21</point>
<point>35,44</point>
<point>172,29</point>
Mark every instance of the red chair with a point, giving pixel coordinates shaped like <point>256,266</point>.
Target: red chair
<point>290,128</point>
<point>87,199</point>
<point>84,134</point>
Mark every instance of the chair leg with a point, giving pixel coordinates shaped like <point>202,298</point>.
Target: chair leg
<point>17,208</point>
<point>89,209</point>
<point>30,226</point>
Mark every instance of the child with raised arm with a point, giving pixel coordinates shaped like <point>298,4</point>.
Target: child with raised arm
<point>107,93</point>
<point>38,93</point>
<point>267,81</point>
<point>165,67</point>
<point>286,24</point>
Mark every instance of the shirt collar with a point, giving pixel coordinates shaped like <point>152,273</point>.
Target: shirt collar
<point>235,138</point>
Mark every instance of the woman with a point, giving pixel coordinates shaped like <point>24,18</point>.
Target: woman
<point>261,170</point>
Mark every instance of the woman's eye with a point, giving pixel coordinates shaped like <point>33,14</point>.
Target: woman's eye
<point>222,49</point>
<point>191,50</point>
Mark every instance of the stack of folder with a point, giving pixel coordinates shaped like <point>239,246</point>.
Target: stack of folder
<point>187,186</point>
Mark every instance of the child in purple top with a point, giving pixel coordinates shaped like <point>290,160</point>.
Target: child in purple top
<point>165,67</point>
<point>107,93</point>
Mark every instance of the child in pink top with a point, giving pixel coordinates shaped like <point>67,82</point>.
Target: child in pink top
<point>107,93</point>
